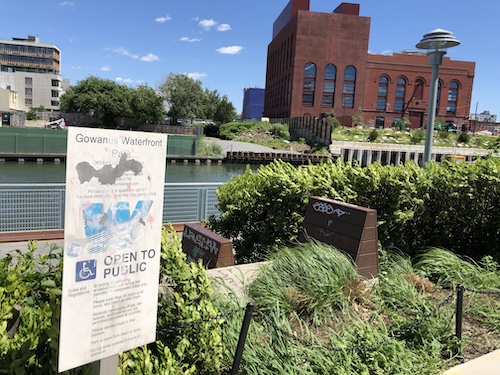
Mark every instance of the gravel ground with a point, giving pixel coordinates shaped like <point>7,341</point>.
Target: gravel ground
<point>228,146</point>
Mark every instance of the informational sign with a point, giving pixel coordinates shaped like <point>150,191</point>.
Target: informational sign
<point>112,235</point>
<point>214,250</point>
<point>350,228</point>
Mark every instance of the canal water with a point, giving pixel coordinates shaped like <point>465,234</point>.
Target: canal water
<point>51,172</point>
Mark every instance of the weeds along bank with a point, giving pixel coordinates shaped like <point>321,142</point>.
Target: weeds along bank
<point>449,205</point>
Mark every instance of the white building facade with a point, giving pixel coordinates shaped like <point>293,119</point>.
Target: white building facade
<point>31,72</point>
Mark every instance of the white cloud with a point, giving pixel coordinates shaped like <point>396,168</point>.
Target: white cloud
<point>196,75</point>
<point>207,24</point>
<point>150,58</point>
<point>106,68</point>
<point>163,19</point>
<point>224,27</point>
<point>190,40</point>
<point>125,52</point>
<point>67,4</point>
<point>124,80</point>
<point>387,52</point>
<point>230,50</point>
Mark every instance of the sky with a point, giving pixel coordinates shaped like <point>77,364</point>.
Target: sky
<point>223,43</point>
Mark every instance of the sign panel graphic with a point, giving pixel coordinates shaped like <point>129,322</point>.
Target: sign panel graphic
<point>112,235</point>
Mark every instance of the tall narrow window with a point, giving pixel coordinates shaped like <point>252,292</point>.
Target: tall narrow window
<point>451,107</point>
<point>349,87</point>
<point>383,83</point>
<point>309,84</point>
<point>329,85</point>
<point>400,94</point>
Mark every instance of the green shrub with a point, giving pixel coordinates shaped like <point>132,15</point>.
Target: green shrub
<point>443,134</point>
<point>463,137</point>
<point>232,129</point>
<point>449,205</point>
<point>32,114</point>
<point>417,136</point>
<point>34,283</point>
<point>280,131</point>
<point>373,135</point>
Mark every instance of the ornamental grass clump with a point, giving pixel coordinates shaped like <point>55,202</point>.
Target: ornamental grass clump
<point>448,269</point>
<point>307,279</point>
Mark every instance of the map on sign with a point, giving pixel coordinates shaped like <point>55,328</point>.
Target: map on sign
<point>108,174</point>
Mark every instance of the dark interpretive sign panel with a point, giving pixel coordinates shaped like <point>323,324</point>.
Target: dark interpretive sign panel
<point>214,250</point>
<point>349,228</point>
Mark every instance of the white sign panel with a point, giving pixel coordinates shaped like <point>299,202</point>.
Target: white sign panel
<point>112,236</point>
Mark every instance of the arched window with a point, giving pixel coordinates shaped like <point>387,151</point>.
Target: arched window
<point>349,87</point>
<point>329,85</point>
<point>400,94</point>
<point>419,89</point>
<point>451,107</point>
<point>383,83</point>
<point>309,84</point>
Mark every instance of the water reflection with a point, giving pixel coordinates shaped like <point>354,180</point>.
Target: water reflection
<point>50,172</point>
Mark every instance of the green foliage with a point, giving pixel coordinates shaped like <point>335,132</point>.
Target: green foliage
<point>32,114</point>
<point>289,282</point>
<point>209,148</point>
<point>224,112</point>
<point>373,135</point>
<point>230,130</point>
<point>108,100</point>
<point>280,131</point>
<point>447,205</point>
<point>34,283</point>
<point>464,137</point>
<point>184,298</point>
<point>147,106</point>
<point>402,124</point>
<point>332,120</point>
<point>417,136</point>
<point>307,280</point>
<point>187,99</point>
<point>397,136</point>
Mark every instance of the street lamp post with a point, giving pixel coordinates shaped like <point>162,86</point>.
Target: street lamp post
<point>436,42</point>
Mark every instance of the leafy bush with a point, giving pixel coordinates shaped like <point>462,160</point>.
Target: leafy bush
<point>230,130</point>
<point>32,114</point>
<point>185,298</point>
<point>280,131</point>
<point>373,135</point>
<point>450,205</point>
<point>34,283</point>
<point>417,136</point>
<point>463,137</point>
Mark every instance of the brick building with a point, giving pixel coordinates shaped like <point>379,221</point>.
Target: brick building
<point>319,62</point>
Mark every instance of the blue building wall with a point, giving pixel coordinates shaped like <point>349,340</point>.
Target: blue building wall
<point>253,103</point>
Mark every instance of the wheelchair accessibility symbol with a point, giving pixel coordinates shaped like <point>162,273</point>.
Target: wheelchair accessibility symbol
<point>86,270</point>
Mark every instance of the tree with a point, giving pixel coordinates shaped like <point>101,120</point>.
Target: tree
<point>187,99</point>
<point>108,100</point>
<point>184,96</point>
<point>225,111</point>
<point>147,106</point>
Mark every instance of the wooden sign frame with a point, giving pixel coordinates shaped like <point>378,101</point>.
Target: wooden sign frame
<point>350,228</point>
<point>214,250</point>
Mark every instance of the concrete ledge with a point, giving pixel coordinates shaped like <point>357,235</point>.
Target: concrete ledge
<point>486,364</point>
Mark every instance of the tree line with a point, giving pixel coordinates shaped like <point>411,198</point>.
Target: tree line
<point>178,96</point>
